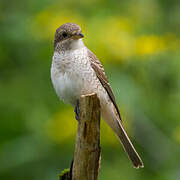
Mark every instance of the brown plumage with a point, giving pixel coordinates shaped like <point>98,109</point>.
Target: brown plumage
<point>121,133</point>
<point>76,71</point>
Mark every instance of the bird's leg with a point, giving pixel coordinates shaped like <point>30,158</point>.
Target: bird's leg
<point>76,110</point>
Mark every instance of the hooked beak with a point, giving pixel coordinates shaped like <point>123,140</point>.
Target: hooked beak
<point>78,36</point>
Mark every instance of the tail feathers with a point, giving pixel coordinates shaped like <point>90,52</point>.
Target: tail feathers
<point>111,117</point>
<point>128,147</point>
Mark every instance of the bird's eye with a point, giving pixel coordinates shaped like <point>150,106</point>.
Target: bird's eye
<point>64,34</point>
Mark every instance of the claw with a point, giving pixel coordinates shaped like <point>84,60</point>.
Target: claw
<point>76,110</point>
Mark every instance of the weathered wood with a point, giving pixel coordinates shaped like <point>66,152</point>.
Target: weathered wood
<point>87,148</point>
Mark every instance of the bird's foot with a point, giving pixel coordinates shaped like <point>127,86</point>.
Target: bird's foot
<point>76,110</point>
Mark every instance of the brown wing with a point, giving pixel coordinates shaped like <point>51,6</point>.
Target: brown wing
<point>98,68</point>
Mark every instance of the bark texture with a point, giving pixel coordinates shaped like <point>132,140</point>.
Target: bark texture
<point>87,148</point>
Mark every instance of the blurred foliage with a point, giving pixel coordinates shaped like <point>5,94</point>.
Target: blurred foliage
<point>138,44</point>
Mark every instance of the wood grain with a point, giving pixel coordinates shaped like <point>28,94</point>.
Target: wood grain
<point>87,148</point>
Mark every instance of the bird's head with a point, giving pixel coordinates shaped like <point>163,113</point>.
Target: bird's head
<point>68,36</point>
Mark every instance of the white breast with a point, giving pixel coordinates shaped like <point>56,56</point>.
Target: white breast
<point>72,75</point>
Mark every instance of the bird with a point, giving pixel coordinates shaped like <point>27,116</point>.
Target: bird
<point>76,71</point>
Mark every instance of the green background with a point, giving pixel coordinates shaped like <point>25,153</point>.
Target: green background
<point>137,41</point>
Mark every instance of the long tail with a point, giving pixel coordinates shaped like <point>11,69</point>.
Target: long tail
<point>112,119</point>
<point>129,148</point>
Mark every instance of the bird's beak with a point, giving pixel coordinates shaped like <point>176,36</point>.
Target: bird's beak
<point>78,36</point>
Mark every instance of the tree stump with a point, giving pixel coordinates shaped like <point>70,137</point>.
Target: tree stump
<point>87,148</point>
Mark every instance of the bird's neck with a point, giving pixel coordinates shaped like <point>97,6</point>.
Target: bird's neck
<point>77,44</point>
<point>70,45</point>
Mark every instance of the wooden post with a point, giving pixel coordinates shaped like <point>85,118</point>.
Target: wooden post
<point>87,148</point>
